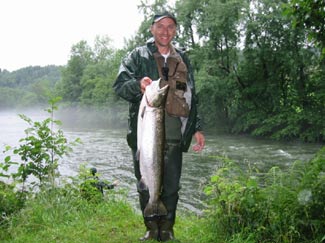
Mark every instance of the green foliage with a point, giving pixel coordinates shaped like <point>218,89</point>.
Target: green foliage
<point>90,73</point>
<point>88,186</point>
<point>255,73</point>
<point>11,201</point>
<point>87,82</point>
<point>90,192</point>
<point>9,96</point>
<point>63,215</point>
<point>40,150</point>
<point>309,14</point>
<point>27,87</point>
<point>280,206</point>
<point>81,56</point>
<point>27,76</point>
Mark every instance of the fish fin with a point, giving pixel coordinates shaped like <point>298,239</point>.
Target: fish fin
<point>137,154</point>
<point>155,209</point>
<point>142,185</point>
<point>143,111</point>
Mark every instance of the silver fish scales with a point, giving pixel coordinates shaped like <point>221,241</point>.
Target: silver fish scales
<point>151,144</point>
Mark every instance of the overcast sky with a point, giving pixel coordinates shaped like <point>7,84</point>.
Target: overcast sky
<point>42,32</point>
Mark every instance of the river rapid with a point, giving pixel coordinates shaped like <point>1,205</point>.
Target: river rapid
<point>107,150</point>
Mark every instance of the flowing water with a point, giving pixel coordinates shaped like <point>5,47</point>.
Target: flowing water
<point>106,149</point>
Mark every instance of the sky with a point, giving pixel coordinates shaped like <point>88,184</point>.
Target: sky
<point>42,32</point>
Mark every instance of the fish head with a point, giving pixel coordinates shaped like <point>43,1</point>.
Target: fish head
<point>155,95</point>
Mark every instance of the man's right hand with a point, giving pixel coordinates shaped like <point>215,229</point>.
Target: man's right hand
<point>144,82</point>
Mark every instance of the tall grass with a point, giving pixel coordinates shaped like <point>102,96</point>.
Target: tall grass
<point>61,215</point>
<point>278,207</point>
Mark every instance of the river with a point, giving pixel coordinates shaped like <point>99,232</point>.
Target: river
<point>106,149</point>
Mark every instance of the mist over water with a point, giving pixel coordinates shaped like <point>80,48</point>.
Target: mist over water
<point>106,149</point>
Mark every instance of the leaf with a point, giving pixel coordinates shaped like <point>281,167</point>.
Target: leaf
<point>214,178</point>
<point>7,159</point>
<point>208,190</point>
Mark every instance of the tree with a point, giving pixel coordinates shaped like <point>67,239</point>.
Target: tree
<point>277,73</point>
<point>255,73</point>
<point>40,150</point>
<point>214,54</point>
<point>70,86</point>
<point>310,14</point>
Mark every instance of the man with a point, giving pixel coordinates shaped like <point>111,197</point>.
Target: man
<point>100,184</point>
<point>160,59</point>
<point>93,188</point>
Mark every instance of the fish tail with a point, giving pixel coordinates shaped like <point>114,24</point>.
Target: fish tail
<point>155,209</point>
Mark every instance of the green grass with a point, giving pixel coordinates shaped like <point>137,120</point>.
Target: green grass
<point>60,217</point>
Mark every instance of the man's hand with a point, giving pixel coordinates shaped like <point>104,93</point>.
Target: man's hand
<point>200,141</point>
<point>115,183</point>
<point>144,82</point>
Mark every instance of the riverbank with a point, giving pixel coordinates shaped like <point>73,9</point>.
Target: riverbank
<point>55,217</point>
<point>287,208</point>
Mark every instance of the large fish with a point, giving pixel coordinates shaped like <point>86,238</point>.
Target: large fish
<point>151,142</point>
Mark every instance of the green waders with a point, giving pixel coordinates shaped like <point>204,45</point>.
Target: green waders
<point>161,228</point>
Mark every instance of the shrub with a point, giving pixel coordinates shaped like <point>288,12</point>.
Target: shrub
<point>279,206</point>
<point>39,152</point>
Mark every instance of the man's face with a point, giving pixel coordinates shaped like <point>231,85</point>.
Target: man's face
<point>164,31</point>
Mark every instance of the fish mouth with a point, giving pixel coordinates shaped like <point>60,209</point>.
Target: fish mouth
<point>163,89</point>
<point>155,95</point>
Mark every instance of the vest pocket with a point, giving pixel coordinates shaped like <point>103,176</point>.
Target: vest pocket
<point>176,104</point>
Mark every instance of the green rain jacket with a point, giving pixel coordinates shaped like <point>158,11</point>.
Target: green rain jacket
<point>141,63</point>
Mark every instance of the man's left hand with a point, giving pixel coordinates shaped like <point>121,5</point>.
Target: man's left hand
<point>200,141</point>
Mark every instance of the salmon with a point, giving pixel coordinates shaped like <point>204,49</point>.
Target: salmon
<point>151,145</point>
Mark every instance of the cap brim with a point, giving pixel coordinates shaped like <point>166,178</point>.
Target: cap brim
<point>164,16</point>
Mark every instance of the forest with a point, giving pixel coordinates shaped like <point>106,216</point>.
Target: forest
<point>259,67</point>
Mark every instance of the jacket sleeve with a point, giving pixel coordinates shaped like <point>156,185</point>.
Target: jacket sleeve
<point>127,85</point>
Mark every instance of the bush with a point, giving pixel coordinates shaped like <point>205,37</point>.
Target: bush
<point>279,206</point>
<point>10,202</point>
<point>39,153</point>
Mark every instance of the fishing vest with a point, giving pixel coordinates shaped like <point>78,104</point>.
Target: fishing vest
<point>173,72</point>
